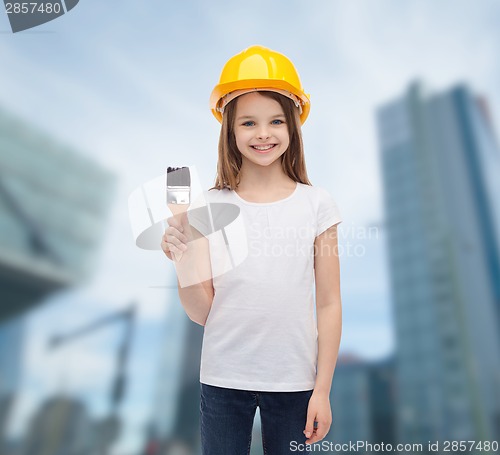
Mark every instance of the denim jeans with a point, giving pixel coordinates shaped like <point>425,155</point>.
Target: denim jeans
<point>227,415</point>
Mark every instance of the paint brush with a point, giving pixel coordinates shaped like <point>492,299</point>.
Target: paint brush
<point>178,193</point>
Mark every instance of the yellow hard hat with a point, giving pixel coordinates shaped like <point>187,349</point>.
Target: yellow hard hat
<point>258,68</point>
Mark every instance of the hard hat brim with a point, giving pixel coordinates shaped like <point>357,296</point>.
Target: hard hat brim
<point>223,89</point>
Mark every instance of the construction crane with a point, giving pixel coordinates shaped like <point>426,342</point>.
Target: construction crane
<point>109,428</point>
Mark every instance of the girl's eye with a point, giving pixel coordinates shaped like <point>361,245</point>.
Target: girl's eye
<point>274,122</point>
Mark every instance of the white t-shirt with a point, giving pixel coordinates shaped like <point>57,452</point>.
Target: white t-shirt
<point>261,333</point>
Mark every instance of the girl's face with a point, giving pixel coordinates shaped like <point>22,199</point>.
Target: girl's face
<point>260,129</point>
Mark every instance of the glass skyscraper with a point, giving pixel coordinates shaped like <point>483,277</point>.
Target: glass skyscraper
<point>441,173</point>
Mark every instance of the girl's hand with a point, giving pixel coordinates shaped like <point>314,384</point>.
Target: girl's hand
<point>319,418</point>
<point>176,237</point>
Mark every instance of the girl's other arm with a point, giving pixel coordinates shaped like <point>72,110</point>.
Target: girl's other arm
<point>328,307</point>
<point>329,317</point>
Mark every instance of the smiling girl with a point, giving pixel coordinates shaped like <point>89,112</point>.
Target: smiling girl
<point>263,346</point>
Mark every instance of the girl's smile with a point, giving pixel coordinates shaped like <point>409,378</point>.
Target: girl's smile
<point>263,148</point>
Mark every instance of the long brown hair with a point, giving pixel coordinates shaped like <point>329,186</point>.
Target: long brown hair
<point>229,162</point>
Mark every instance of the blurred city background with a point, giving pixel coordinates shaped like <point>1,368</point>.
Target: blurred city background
<point>96,353</point>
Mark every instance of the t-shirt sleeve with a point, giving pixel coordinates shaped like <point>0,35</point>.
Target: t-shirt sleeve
<point>328,211</point>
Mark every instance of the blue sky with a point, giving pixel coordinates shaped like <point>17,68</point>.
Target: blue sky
<point>127,83</point>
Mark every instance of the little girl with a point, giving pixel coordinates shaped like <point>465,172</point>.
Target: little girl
<point>262,345</point>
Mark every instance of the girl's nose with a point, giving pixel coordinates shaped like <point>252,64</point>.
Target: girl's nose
<point>263,132</point>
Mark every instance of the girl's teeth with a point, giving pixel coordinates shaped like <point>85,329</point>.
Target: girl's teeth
<point>263,148</point>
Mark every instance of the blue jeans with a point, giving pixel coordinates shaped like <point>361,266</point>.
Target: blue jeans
<point>227,415</point>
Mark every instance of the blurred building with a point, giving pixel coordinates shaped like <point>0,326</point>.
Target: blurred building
<point>382,392</point>
<point>61,425</point>
<point>11,354</point>
<point>363,401</point>
<point>53,209</point>
<point>53,206</point>
<point>441,173</point>
<point>175,416</point>
<point>187,417</point>
<point>350,401</point>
